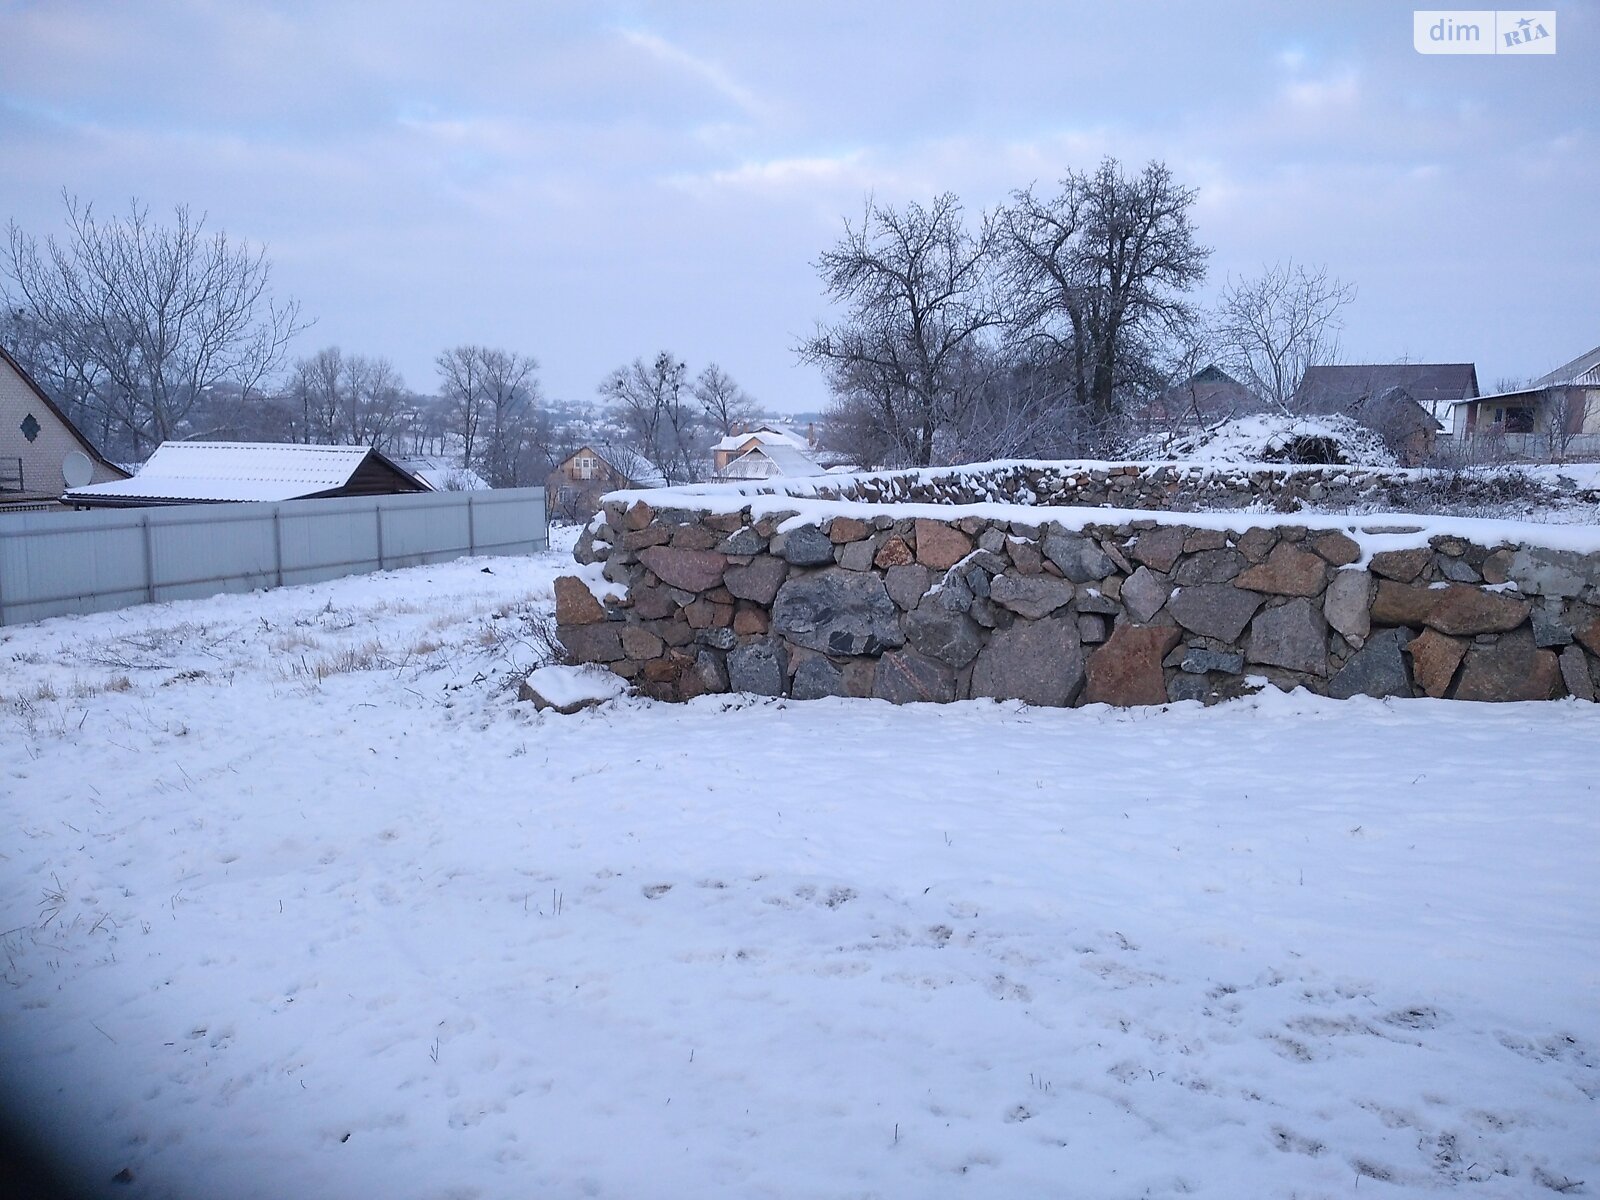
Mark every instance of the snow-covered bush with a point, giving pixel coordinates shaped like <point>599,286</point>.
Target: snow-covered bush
<point>1272,438</point>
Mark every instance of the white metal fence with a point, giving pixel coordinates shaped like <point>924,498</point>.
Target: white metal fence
<point>81,562</point>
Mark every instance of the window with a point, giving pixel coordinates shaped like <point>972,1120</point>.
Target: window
<point>1514,420</point>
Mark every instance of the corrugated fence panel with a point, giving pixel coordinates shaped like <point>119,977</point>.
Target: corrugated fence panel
<point>432,528</point>
<point>57,563</point>
<point>51,564</point>
<point>324,539</point>
<point>200,550</point>
<point>504,521</point>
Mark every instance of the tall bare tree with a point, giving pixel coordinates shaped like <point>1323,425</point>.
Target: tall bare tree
<point>347,400</point>
<point>1273,326</point>
<point>1096,275</point>
<point>725,405</point>
<point>916,285</point>
<point>652,403</point>
<point>140,321</point>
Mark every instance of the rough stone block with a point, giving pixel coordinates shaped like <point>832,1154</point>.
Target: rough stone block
<point>906,677</point>
<point>838,612</point>
<point>1217,610</point>
<point>1293,636</point>
<point>758,667</point>
<point>1038,662</point>
<point>691,570</point>
<point>1127,670</point>
<point>940,546</point>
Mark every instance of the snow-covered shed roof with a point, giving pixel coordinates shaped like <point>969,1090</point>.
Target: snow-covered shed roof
<point>766,435</point>
<point>443,474</point>
<point>220,472</point>
<point>767,460</point>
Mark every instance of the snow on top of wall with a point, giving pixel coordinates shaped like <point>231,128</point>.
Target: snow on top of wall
<point>796,502</point>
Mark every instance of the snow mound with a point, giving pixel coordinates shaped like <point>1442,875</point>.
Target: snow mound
<point>567,689</point>
<point>1273,438</point>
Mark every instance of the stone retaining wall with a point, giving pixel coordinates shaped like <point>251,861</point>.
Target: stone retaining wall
<point>682,602</point>
<point>1185,487</point>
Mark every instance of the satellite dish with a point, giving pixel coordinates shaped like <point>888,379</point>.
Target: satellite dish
<point>77,469</point>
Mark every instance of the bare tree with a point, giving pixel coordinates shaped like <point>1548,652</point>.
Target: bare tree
<point>726,406</point>
<point>461,388</point>
<point>1275,325</point>
<point>142,320</point>
<point>1564,416</point>
<point>511,396</point>
<point>347,400</point>
<point>918,289</point>
<point>1095,278</point>
<point>652,403</point>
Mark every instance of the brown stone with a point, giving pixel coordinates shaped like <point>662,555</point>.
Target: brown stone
<point>1399,604</point>
<point>639,515</point>
<point>894,553</point>
<point>748,620</point>
<point>1287,571</point>
<point>1497,566</point>
<point>1255,544</point>
<point>1336,547</point>
<point>847,529</point>
<point>641,643</point>
<point>1463,610</point>
<point>939,545</point>
<point>1589,635</point>
<point>1127,669</point>
<point>691,570</point>
<point>724,522</point>
<point>575,603</point>
<point>701,614</point>
<point>1511,669</point>
<point>662,670</point>
<point>695,537</point>
<point>592,643</point>
<point>1203,539</point>
<point>1026,556</point>
<point>1401,565</point>
<point>1158,548</point>
<point>652,603</point>
<point>640,539</point>
<point>758,582</point>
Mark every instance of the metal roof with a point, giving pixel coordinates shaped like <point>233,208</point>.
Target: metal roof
<point>1426,383</point>
<point>229,471</point>
<point>1583,371</point>
<point>765,461</point>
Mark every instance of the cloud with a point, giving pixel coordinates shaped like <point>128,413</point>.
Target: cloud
<point>706,72</point>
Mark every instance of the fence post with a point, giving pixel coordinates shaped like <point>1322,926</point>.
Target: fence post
<point>472,528</point>
<point>149,558</point>
<point>277,542</point>
<point>377,511</point>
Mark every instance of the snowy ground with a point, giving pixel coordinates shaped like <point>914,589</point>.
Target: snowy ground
<point>301,902</point>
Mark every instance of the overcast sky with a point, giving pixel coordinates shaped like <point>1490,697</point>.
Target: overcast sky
<point>589,182</point>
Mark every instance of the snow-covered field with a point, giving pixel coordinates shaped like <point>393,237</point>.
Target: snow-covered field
<point>301,902</point>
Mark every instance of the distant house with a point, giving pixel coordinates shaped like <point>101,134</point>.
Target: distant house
<point>574,488</point>
<point>767,460</point>
<point>41,451</point>
<point>737,444</point>
<point>1402,402</point>
<point>227,472</point>
<point>1566,402</point>
<point>1206,397</point>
